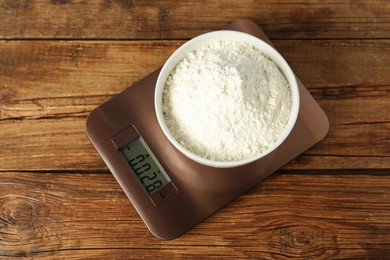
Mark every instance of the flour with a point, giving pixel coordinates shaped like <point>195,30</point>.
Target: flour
<point>226,101</point>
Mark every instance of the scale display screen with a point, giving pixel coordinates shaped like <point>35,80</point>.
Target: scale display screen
<point>145,165</point>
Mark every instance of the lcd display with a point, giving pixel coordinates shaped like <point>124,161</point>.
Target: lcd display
<point>145,165</point>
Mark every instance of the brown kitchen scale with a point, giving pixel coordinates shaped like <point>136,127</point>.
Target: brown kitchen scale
<point>170,192</point>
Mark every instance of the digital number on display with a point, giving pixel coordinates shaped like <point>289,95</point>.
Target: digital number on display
<point>144,165</point>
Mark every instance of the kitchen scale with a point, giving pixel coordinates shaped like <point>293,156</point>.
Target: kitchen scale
<point>170,192</point>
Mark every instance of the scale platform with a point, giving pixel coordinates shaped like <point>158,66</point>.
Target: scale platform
<point>194,191</point>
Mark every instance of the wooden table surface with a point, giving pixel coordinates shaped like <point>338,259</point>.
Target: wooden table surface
<point>60,59</point>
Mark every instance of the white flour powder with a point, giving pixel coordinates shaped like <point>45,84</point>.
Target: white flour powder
<point>226,101</point>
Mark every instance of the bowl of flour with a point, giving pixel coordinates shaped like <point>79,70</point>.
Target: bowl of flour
<point>226,99</point>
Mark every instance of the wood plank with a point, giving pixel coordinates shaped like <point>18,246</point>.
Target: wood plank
<point>186,19</point>
<point>60,82</point>
<point>62,144</point>
<point>286,216</point>
<point>330,69</point>
<point>59,144</point>
<point>41,69</point>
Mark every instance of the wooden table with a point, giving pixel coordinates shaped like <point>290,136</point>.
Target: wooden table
<point>59,59</point>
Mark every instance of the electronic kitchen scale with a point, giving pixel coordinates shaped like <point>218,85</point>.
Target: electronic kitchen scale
<point>170,192</point>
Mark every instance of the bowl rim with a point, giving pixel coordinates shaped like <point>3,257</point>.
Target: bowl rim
<point>206,39</point>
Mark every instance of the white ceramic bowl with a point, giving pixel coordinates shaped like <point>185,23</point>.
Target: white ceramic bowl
<point>205,40</point>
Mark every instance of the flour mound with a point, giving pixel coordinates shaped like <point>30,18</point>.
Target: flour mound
<point>226,101</point>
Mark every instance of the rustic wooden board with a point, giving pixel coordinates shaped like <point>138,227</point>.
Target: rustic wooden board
<point>287,216</point>
<point>49,87</point>
<point>59,59</point>
<point>146,19</point>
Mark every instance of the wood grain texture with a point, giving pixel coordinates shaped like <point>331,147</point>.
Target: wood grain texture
<point>336,69</point>
<point>284,217</point>
<point>59,59</point>
<point>62,144</point>
<point>49,87</point>
<point>127,19</point>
